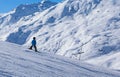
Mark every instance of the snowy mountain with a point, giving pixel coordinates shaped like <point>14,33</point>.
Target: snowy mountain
<point>68,28</point>
<point>16,61</point>
<point>25,10</point>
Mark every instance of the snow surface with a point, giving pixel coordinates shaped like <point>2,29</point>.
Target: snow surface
<point>69,28</point>
<point>17,61</point>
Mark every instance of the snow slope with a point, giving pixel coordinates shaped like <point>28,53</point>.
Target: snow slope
<point>68,28</point>
<point>16,61</point>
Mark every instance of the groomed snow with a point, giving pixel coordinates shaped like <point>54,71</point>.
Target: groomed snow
<point>17,61</point>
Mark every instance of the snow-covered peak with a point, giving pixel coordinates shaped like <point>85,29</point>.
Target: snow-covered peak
<point>32,8</point>
<point>26,10</point>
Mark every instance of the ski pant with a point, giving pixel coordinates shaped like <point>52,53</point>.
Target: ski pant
<point>34,47</point>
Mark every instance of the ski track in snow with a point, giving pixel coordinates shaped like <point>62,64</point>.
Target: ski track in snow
<point>16,61</point>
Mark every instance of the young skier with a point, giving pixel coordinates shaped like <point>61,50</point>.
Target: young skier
<point>33,44</point>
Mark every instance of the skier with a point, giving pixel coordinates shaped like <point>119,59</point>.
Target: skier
<point>33,44</point>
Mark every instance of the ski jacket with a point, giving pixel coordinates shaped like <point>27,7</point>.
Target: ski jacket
<point>33,42</point>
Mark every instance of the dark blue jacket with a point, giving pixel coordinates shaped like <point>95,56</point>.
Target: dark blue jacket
<point>33,42</point>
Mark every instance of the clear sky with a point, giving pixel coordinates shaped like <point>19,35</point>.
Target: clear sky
<point>8,5</point>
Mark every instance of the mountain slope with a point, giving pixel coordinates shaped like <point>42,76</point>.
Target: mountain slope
<point>18,61</point>
<point>71,27</point>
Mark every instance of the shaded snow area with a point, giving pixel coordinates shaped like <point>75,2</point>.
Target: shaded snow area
<point>16,61</point>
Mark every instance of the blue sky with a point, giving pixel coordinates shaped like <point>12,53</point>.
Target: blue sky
<point>8,5</point>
